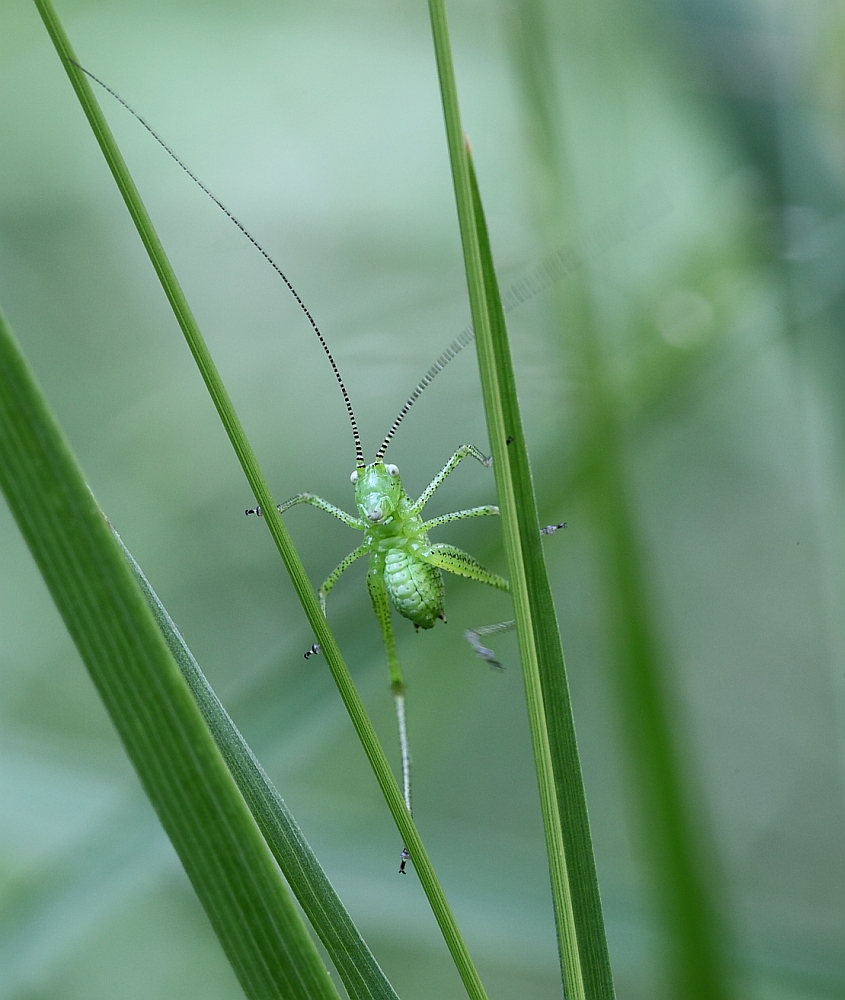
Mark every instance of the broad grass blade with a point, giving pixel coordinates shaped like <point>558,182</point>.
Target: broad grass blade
<point>149,702</point>
<point>361,974</point>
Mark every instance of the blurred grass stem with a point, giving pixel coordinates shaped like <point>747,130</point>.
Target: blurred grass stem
<point>671,817</point>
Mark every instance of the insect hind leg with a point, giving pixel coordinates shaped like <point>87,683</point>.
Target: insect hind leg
<point>460,563</point>
<point>381,606</point>
<point>474,636</point>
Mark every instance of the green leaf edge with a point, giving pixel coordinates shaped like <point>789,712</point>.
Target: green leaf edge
<point>582,941</point>
<point>182,772</point>
<point>357,967</point>
<point>340,673</point>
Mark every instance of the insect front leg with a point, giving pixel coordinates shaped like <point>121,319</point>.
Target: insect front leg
<point>330,581</point>
<point>315,501</point>
<point>459,456</point>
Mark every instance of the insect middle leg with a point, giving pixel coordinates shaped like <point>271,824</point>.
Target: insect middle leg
<point>459,515</point>
<point>334,576</point>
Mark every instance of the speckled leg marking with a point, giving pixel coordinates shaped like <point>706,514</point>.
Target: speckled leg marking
<point>455,560</point>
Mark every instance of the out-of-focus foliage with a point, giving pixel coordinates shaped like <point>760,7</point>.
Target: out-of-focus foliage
<point>704,150</point>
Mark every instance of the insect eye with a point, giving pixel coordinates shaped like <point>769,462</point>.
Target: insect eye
<point>392,470</point>
<point>354,477</point>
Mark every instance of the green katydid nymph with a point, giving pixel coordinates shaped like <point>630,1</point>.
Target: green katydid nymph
<point>405,566</point>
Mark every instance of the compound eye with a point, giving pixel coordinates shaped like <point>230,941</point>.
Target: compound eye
<point>392,470</point>
<point>354,477</point>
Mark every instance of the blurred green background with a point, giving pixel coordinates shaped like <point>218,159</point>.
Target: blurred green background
<point>700,150</point>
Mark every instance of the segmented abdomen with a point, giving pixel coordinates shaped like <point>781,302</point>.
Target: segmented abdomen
<point>415,588</point>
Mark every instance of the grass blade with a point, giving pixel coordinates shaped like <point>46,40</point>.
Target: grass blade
<point>585,964</point>
<point>246,456</point>
<point>553,701</point>
<point>355,963</point>
<point>149,703</point>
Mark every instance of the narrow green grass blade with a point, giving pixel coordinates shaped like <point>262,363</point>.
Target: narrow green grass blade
<point>582,942</point>
<point>554,689</point>
<point>150,705</point>
<point>355,963</point>
<point>246,456</point>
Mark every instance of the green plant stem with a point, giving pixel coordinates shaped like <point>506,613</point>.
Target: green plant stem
<point>539,641</point>
<point>246,457</point>
<point>670,808</point>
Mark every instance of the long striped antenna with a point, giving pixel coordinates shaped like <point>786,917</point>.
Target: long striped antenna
<point>651,204</point>
<point>550,270</point>
<point>359,451</point>
<point>455,348</point>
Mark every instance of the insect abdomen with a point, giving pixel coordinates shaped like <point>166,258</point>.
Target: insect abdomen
<point>415,588</point>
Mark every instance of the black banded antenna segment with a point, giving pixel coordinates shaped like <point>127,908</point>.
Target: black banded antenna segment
<point>455,348</point>
<point>550,270</point>
<point>651,203</point>
<point>359,451</point>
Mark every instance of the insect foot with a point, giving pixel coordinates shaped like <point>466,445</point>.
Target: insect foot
<point>474,639</point>
<point>313,651</point>
<point>550,529</point>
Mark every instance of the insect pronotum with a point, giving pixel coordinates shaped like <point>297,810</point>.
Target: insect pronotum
<point>405,566</point>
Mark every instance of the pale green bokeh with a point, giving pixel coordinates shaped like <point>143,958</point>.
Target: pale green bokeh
<point>709,203</point>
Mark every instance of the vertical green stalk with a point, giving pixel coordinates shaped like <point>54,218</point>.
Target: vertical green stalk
<point>671,817</point>
<point>582,944</point>
<point>340,673</point>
